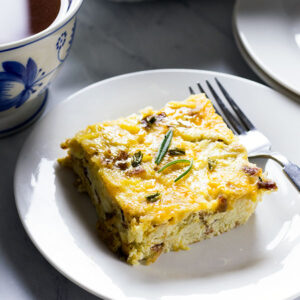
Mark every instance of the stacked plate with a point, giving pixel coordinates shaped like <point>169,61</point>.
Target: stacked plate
<point>267,33</point>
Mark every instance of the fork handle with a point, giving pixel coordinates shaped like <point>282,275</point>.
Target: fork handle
<point>293,173</point>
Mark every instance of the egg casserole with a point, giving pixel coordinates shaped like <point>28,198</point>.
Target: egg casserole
<point>161,180</point>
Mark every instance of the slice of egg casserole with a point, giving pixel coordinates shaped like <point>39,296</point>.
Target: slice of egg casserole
<point>161,180</point>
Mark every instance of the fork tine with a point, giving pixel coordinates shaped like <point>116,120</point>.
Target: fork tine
<point>191,91</point>
<point>230,117</point>
<point>200,88</point>
<point>203,91</point>
<point>247,123</point>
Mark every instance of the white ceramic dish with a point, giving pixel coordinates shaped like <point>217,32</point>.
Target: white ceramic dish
<point>28,66</point>
<point>259,72</point>
<point>259,260</point>
<point>269,31</point>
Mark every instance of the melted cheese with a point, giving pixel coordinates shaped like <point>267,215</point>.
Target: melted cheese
<point>199,131</point>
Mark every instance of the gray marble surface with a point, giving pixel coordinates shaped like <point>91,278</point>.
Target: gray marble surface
<point>111,39</point>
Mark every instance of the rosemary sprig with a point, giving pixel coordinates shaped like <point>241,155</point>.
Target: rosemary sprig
<point>186,171</point>
<point>164,146</point>
<point>176,152</point>
<point>137,159</point>
<point>177,161</point>
<point>153,198</point>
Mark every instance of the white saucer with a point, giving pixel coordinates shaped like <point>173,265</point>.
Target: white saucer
<point>259,72</point>
<point>269,31</point>
<point>259,260</point>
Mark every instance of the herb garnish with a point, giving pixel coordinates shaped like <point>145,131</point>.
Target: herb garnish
<point>148,121</point>
<point>211,164</point>
<point>151,120</point>
<point>176,151</point>
<point>153,198</point>
<point>186,171</point>
<point>177,161</point>
<point>164,146</point>
<point>137,159</point>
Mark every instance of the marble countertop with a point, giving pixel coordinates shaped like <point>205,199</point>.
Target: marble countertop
<point>111,39</point>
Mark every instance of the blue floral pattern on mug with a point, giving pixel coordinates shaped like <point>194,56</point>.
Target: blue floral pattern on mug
<point>61,41</point>
<point>19,81</point>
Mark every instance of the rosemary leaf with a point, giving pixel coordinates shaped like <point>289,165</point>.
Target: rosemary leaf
<point>153,198</point>
<point>137,159</point>
<point>164,146</point>
<point>185,172</point>
<point>177,161</point>
<point>176,151</point>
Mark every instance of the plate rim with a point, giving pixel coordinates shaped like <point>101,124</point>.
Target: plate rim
<point>269,81</point>
<point>255,58</point>
<point>162,70</point>
<point>68,99</point>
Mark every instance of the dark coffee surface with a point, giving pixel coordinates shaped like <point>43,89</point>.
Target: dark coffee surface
<point>22,18</point>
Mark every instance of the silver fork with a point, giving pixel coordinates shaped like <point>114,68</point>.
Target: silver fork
<point>256,143</point>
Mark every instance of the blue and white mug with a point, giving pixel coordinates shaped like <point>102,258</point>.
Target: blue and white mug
<point>28,66</point>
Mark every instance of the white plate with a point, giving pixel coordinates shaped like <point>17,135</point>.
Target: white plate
<point>259,72</point>
<point>270,32</point>
<point>259,260</point>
